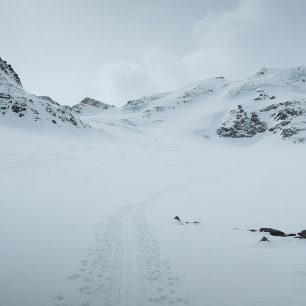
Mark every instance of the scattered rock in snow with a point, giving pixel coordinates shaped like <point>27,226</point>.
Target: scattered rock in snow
<point>273,232</point>
<point>263,239</point>
<point>185,222</point>
<point>189,95</point>
<point>302,234</point>
<point>139,104</point>
<point>252,230</point>
<point>50,100</point>
<point>290,235</point>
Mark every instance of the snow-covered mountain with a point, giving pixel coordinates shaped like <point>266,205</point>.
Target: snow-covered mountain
<point>272,102</point>
<point>18,108</point>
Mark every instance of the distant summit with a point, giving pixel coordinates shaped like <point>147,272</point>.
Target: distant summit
<point>89,106</point>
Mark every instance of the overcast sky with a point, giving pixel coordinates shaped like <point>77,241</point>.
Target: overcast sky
<point>119,50</point>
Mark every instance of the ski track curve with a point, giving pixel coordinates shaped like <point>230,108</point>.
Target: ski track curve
<point>125,265</point>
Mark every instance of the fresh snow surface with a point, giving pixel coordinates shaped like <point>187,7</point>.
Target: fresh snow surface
<point>88,220</point>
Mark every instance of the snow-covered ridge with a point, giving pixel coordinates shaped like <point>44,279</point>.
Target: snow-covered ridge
<point>138,104</point>
<point>270,102</point>
<point>18,108</point>
<point>49,99</point>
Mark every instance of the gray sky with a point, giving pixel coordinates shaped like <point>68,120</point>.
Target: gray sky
<point>119,50</point>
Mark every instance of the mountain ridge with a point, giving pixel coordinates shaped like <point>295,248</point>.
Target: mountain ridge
<point>270,102</point>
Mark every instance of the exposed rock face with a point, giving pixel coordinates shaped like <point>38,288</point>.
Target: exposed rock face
<point>95,103</point>
<point>90,106</point>
<point>240,124</point>
<point>284,118</point>
<point>37,110</point>
<point>9,72</point>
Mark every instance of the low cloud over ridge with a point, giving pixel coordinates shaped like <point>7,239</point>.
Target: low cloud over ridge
<point>232,43</point>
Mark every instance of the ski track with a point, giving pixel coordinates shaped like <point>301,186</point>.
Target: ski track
<point>125,266</point>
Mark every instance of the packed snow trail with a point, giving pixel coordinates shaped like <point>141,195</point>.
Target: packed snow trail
<point>125,266</point>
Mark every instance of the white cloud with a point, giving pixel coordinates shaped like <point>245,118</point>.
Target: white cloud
<point>122,80</point>
<point>233,43</point>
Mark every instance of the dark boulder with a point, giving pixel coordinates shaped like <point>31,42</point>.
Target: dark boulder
<point>177,218</point>
<point>272,231</point>
<point>252,230</point>
<point>263,239</point>
<point>303,234</point>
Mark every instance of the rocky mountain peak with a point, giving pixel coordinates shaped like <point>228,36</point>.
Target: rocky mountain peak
<point>89,106</point>
<point>95,103</point>
<point>19,108</point>
<point>8,71</point>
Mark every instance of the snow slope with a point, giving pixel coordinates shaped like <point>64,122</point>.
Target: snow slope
<point>86,219</point>
<point>90,222</point>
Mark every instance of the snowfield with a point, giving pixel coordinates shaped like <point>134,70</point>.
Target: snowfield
<point>88,221</point>
<point>89,194</point>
